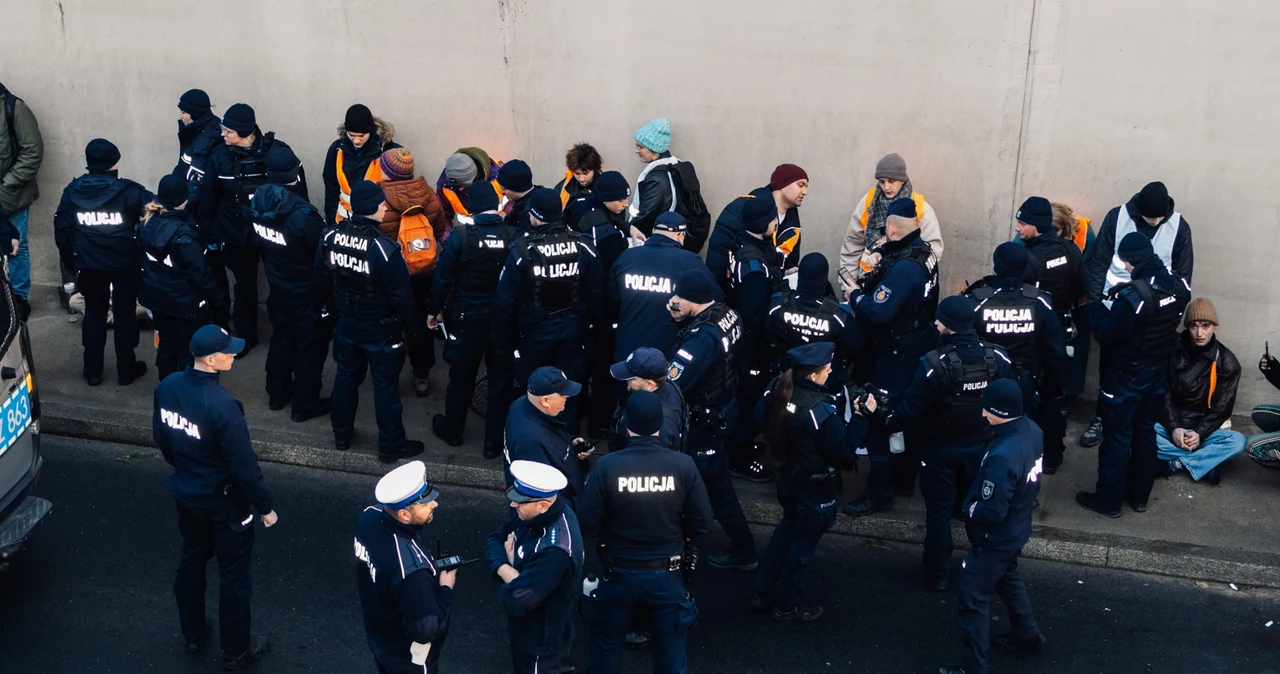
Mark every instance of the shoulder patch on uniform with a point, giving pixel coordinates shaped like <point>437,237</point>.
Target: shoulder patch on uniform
<point>685,355</point>
<point>677,369</point>
<point>988,489</point>
<point>882,293</point>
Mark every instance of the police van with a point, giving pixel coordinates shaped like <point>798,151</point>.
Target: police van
<point>20,460</point>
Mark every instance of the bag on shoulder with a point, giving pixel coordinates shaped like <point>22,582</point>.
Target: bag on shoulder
<point>690,204</point>
<point>417,240</point>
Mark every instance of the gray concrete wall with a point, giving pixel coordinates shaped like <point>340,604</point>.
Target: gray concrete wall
<point>1082,101</point>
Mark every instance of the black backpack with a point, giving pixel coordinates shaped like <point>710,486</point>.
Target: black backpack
<point>11,102</point>
<point>691,206</point>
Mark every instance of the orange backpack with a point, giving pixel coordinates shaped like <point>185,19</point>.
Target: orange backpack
<point>417,240</point>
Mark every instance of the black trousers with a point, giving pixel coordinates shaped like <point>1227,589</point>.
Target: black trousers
<point>173,353</point>
<point>117,292</point>
<point>299,348</point>
<point>469,343</point>
<point>241,261</point>
<point>223,534</point>
<point>422,349</point>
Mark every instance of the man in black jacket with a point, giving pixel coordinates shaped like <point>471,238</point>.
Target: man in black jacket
<point>353,157</point>
<point>786,189</point>
<point>1203,377</point>
<point>199,134</point>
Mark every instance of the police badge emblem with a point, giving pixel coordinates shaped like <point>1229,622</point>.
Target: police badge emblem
<point>882,294</point>
<point>988,488</point>
<point>675,371</point>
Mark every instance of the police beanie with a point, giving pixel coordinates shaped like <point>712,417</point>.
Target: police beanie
<point>282,165</point>
<point>956,313</point>
<point>643,413</point>
<point>1153,201</point>
<point>240,118</point>
<point>892,167</point>
<point>1010,260</point>
<point>482,198</point>
<point>1003,398</point>
<point>195,102</point>
<point>786,174</point>
<point>172,191</point>
<point>757,214</point>
<point>1134,248</point>
<point>814,269</point>
<point>903,208</point>
<point>545,205</point>
<point>366,197</point>
<point>396,164</point>
<point>359,120</point>
<point>696,286</point>
<point>460,169</point>
<point>612,186</point>
<point>1037,212</point>
<point>655,135</point>
<point>100,155</point>
<point>516,176</point>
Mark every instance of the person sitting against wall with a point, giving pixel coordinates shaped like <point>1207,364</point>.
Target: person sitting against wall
<point>1203,376</point>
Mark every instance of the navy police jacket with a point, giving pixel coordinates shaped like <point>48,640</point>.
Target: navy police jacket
<point>645,501</point>
<point>449,285</point>
<point>400,592</point>
<point>640,287</point>
<point>175,276</point>
<point>999,504</point>
<point>365,274</point>
<point>96,224</point>
<point>509,308</point>
<point>235,173</point>
<point>201,431</point>
<point>534,436</point>
<point>900,292</point>
<point>287,229</point>
<point>930,392</point>
<point>729,225</point>
<point>540,601</point>
<point>196,143</point>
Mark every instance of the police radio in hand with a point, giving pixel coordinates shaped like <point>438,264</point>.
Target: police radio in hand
<point>451,562</point>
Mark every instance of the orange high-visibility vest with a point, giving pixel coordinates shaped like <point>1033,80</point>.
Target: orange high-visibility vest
<point>344,197</point>
<point>460,212</point>
<point>564,190</point>
<point>1082,233</point>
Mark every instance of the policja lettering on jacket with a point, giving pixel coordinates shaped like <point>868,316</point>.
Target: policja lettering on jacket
<point>94,219</point>
<point>635,485</point>
<point>653,284</point>
<point>997,321</point>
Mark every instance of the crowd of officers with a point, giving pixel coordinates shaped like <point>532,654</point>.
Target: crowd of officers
<point>587,302</point>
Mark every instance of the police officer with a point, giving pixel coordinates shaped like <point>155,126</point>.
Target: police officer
<point>200,429</point>
<point>240,168</point>
<point>645,369</point>
<point>944,401</point>
<point>895,304</point>
<point>536,430</point>
<point>643,504</point>
<point>810,314</point>
<point>640,288</point>
<point>1137,327</point>
<point>96,230</point>
<point>406,598</point>
<point>544,296</point>
<point>287,230</point>
<point>538,556</point>
<point>602,226</point>
<point>516,180</point>
<point>808,441</point>
<point>705,368</point>
<point>997,511</point>
<point>176,284</point>
<point>462,293</point>
<point>199,134</point>
<point>1055,265</point>
<point>1020,317</point>
<point>755,275</point>
<point>362,272</point>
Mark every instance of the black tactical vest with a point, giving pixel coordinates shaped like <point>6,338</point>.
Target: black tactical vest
<point>919,312</point>
<point>962,410</point>
<point>806,320</point>
<point>804,456</point>
<point>718,385</point>
<point>1159,315</point>
<point>347,256</point>
<point>551,275</point>
<point>482,258</point>
<point>744,259</point>
<point>1008,317</point>
<point>1053,272</point>
<point>251,173</point>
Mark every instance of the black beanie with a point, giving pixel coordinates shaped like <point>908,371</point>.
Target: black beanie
<point>1037,212</point>
<point>100,155</point>
<point>1010,260</point>
<point>643,413</point>
<point>814,269</point>
<point>172,191</point>
<point>282,165</point>
<point>359,119</point>
<point>956,313</point>
<point>1134,248</point>
<point>545,205</point>
<point>757,214</point>
<point>481,197</point>
<point>515,176</point>
<point>1153,201</point>
<point>366,197</point>
<point>903,208</point>
<point>612,186</point>
<point>240,118</point>
<point>696,286</point>
<point>195,102</point>
<point>1003,398</point>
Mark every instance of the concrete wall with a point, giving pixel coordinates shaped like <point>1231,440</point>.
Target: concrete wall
<point>1082,101</point>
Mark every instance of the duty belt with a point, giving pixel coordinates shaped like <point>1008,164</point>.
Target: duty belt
<point>671,563</point>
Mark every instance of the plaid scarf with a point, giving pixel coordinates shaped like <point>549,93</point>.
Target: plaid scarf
<point>879,210</point>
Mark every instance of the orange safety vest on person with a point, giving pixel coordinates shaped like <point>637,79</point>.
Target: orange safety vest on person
<point>1082,233</point>
<point>866,215</point>
<point>460,212</point>
<point>374,174</point>
<point>564,190</point>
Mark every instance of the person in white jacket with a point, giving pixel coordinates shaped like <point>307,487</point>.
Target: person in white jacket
<point>866,228</point>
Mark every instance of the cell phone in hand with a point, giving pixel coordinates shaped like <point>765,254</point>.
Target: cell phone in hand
<point>452,562</point>
<point>846,277</point>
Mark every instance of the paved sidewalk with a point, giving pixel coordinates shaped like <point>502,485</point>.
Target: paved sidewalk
<point>1228,533</point>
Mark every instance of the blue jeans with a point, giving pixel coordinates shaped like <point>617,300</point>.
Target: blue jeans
<point>20,264</point>
<point>671,614</point>
<point>1221,446</point>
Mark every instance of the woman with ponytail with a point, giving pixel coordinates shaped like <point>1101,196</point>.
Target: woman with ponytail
<point>808,439</point>
<point>176,283</point>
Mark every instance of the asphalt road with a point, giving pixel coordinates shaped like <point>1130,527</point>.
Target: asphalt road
<point>93,593</point>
